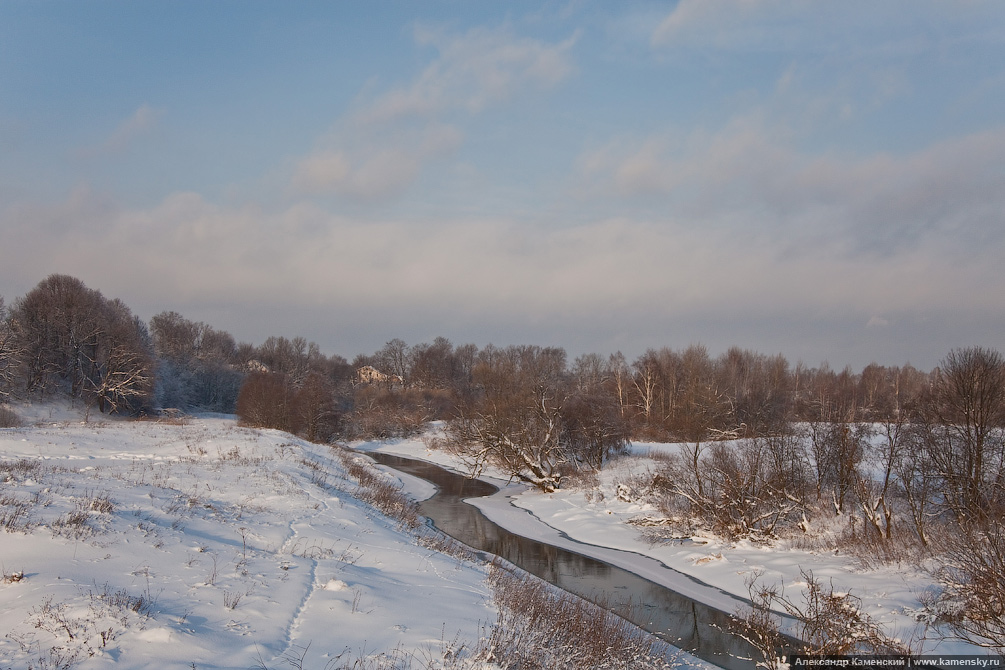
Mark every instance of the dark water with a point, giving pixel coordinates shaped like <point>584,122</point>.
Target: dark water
<point>678,619</point>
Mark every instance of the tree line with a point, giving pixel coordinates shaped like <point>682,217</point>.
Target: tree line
<point>760,445</point>
<point>757,433</point>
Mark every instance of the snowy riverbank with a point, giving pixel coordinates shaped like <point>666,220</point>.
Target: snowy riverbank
<point>201,544</point>
<point>593,521</point>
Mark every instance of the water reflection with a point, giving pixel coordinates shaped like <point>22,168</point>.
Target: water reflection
<point>678,619</point>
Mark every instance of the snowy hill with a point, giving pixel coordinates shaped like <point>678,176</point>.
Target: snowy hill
<point>201,544</point>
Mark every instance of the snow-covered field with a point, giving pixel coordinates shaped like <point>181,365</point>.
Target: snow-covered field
<point>201,544</point>
<point>593,521</point>
<point>206,545</point>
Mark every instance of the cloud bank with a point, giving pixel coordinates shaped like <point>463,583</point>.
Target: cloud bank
<point>823,181</point>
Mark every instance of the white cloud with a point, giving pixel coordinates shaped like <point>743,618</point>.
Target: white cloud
<point>321,172</point>
<point>381,147</point>
<point>188,249</point>
<point>873,204</point>
<point>472,71</point>
<point>606,284</point>
<point>371,165</point>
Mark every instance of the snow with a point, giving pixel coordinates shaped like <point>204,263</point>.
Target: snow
<point>204,544</point>
<point>221,549</point>
<point>707,569</point>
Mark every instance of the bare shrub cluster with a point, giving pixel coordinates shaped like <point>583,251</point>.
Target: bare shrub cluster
<point>972,575</point>
<point>305,407</point>
<point>387,411</point>
<point>439,541</point>
<point>532,420</point>
<point>746,488</point>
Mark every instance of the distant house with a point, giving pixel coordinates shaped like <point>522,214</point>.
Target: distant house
<point>255,365</point>
<point>371,375</point>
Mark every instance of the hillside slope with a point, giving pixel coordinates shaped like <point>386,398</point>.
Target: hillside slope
<point>201,544</point>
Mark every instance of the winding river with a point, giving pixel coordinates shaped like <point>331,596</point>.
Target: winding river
<point>680,620</point>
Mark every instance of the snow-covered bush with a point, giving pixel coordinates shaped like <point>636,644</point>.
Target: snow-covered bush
<point>829,623</point>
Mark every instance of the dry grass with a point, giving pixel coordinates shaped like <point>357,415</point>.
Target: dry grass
<point>59,635</point>
<point>74,525</point>
<point>23,469</point>
<point>431,538</point>
<point>16,514</point>
<point>540,627</point>
<point>378,490</point>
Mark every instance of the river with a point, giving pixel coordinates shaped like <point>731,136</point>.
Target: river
<point>676,618</point>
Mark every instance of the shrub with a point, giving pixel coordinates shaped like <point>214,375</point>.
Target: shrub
<point>830,623</point>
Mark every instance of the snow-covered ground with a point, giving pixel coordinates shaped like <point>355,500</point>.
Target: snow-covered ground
<point>593,521</point>
<point>207,545</point>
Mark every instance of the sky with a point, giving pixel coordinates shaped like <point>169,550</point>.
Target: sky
<point>820,180</point>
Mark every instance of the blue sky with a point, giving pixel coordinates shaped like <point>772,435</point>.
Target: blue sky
<point>822,180</point>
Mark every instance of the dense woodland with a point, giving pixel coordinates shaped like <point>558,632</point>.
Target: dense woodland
<point>766,448</point>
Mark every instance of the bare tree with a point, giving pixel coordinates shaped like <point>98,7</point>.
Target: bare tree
<point>757,390</point>
<point>122,368</point>
<point>317,414</point>
<point>55,326</point>
<point>515,423</point>
<point>435,365</point>
<point>620,376</point>
<point>393,360</point>
<point>917,480</point>
<point>593,428</point>
<point>175,337</point>
<point>8,354</point>
<point>876,495</point>
<point>837,449</point>
<point>966,418</point>
<point>648,370</point>
<point>70,335</point>
<point>594,424</point>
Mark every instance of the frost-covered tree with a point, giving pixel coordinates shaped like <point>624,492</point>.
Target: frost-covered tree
<point>8,354</point>
<point>123,376</point>
<point>515,421</point>
<point>197,365</point>
<point>70,337</point>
